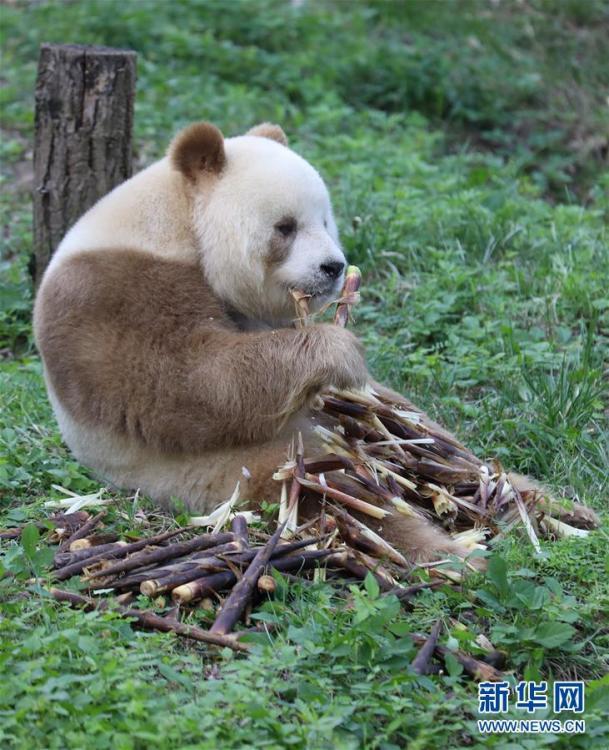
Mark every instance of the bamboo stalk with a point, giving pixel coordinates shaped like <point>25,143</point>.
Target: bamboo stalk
<point>284,549</point>
<point>526,520</point>
<point>341,497</point>
<point>238,598</point>
<point>151,620</point>
<point>240,529</point>
<point>442,445</point>
<point>200,587</point>
<point>338,406</point>
<point>161,584</point>
<point>364,396</point>
<point>420,664</point>
<point>189,563</point>
<point>477,669</point>
<point>173,578</point>
<point>359,486</point>
<point>13,533</point>
<point>266,584</point>
<point>301,304</point>
<point>171,551</point>
<point>329,462</point>
<point>373,484</point>
<point>383,468</point>
<point>498,493</point>
<point>95,540</point>
<point>358,430</point>
<point>288,510</point>
<point>299,472</point>
<point>160,576</point>
<point>122,551</point>
<point>484,487</point>
<point>62,559</point>
<point>357,534</point>
<point>349,296</point>
<point>170,577</point>
<point>108,550</point>
<point>390,438</point>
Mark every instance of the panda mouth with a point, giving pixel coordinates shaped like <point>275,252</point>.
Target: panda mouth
<point>317,290</point>
<point>314,292</point>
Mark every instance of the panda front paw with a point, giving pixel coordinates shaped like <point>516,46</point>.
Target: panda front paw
<point>340,358</point>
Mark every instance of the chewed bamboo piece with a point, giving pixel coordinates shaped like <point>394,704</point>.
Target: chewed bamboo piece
<point>349,296</point>
<point>301,305</point>
<point>288,506</point>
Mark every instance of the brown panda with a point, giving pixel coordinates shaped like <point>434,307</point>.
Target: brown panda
<point>166,325</point>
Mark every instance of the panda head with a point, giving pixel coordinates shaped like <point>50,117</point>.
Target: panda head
<point>263,220</point>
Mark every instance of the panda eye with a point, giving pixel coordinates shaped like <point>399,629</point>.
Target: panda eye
<point>286,227</point>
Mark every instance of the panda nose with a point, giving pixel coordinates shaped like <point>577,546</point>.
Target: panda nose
<point>333,269</point>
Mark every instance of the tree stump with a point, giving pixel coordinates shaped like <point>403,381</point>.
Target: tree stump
<point>82,149</point>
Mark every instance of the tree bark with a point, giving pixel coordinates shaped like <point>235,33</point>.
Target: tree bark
<point>84,122</point>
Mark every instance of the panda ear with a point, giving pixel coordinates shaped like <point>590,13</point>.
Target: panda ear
<point>197,150</point>
<point>268,130</point>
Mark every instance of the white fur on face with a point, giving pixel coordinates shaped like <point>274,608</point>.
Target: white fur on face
<point>263,184</point>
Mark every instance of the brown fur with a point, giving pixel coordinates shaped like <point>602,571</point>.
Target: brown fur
<point>269,130</point>
<point>142,346</point>
<point>279,248</point>
<point>198,149</point>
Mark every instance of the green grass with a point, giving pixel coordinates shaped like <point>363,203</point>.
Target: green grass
<point>463,145</point>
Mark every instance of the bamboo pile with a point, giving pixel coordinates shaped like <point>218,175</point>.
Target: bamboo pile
<point>384,456</point>
<point>191,570</point>
<point>238,563</point>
